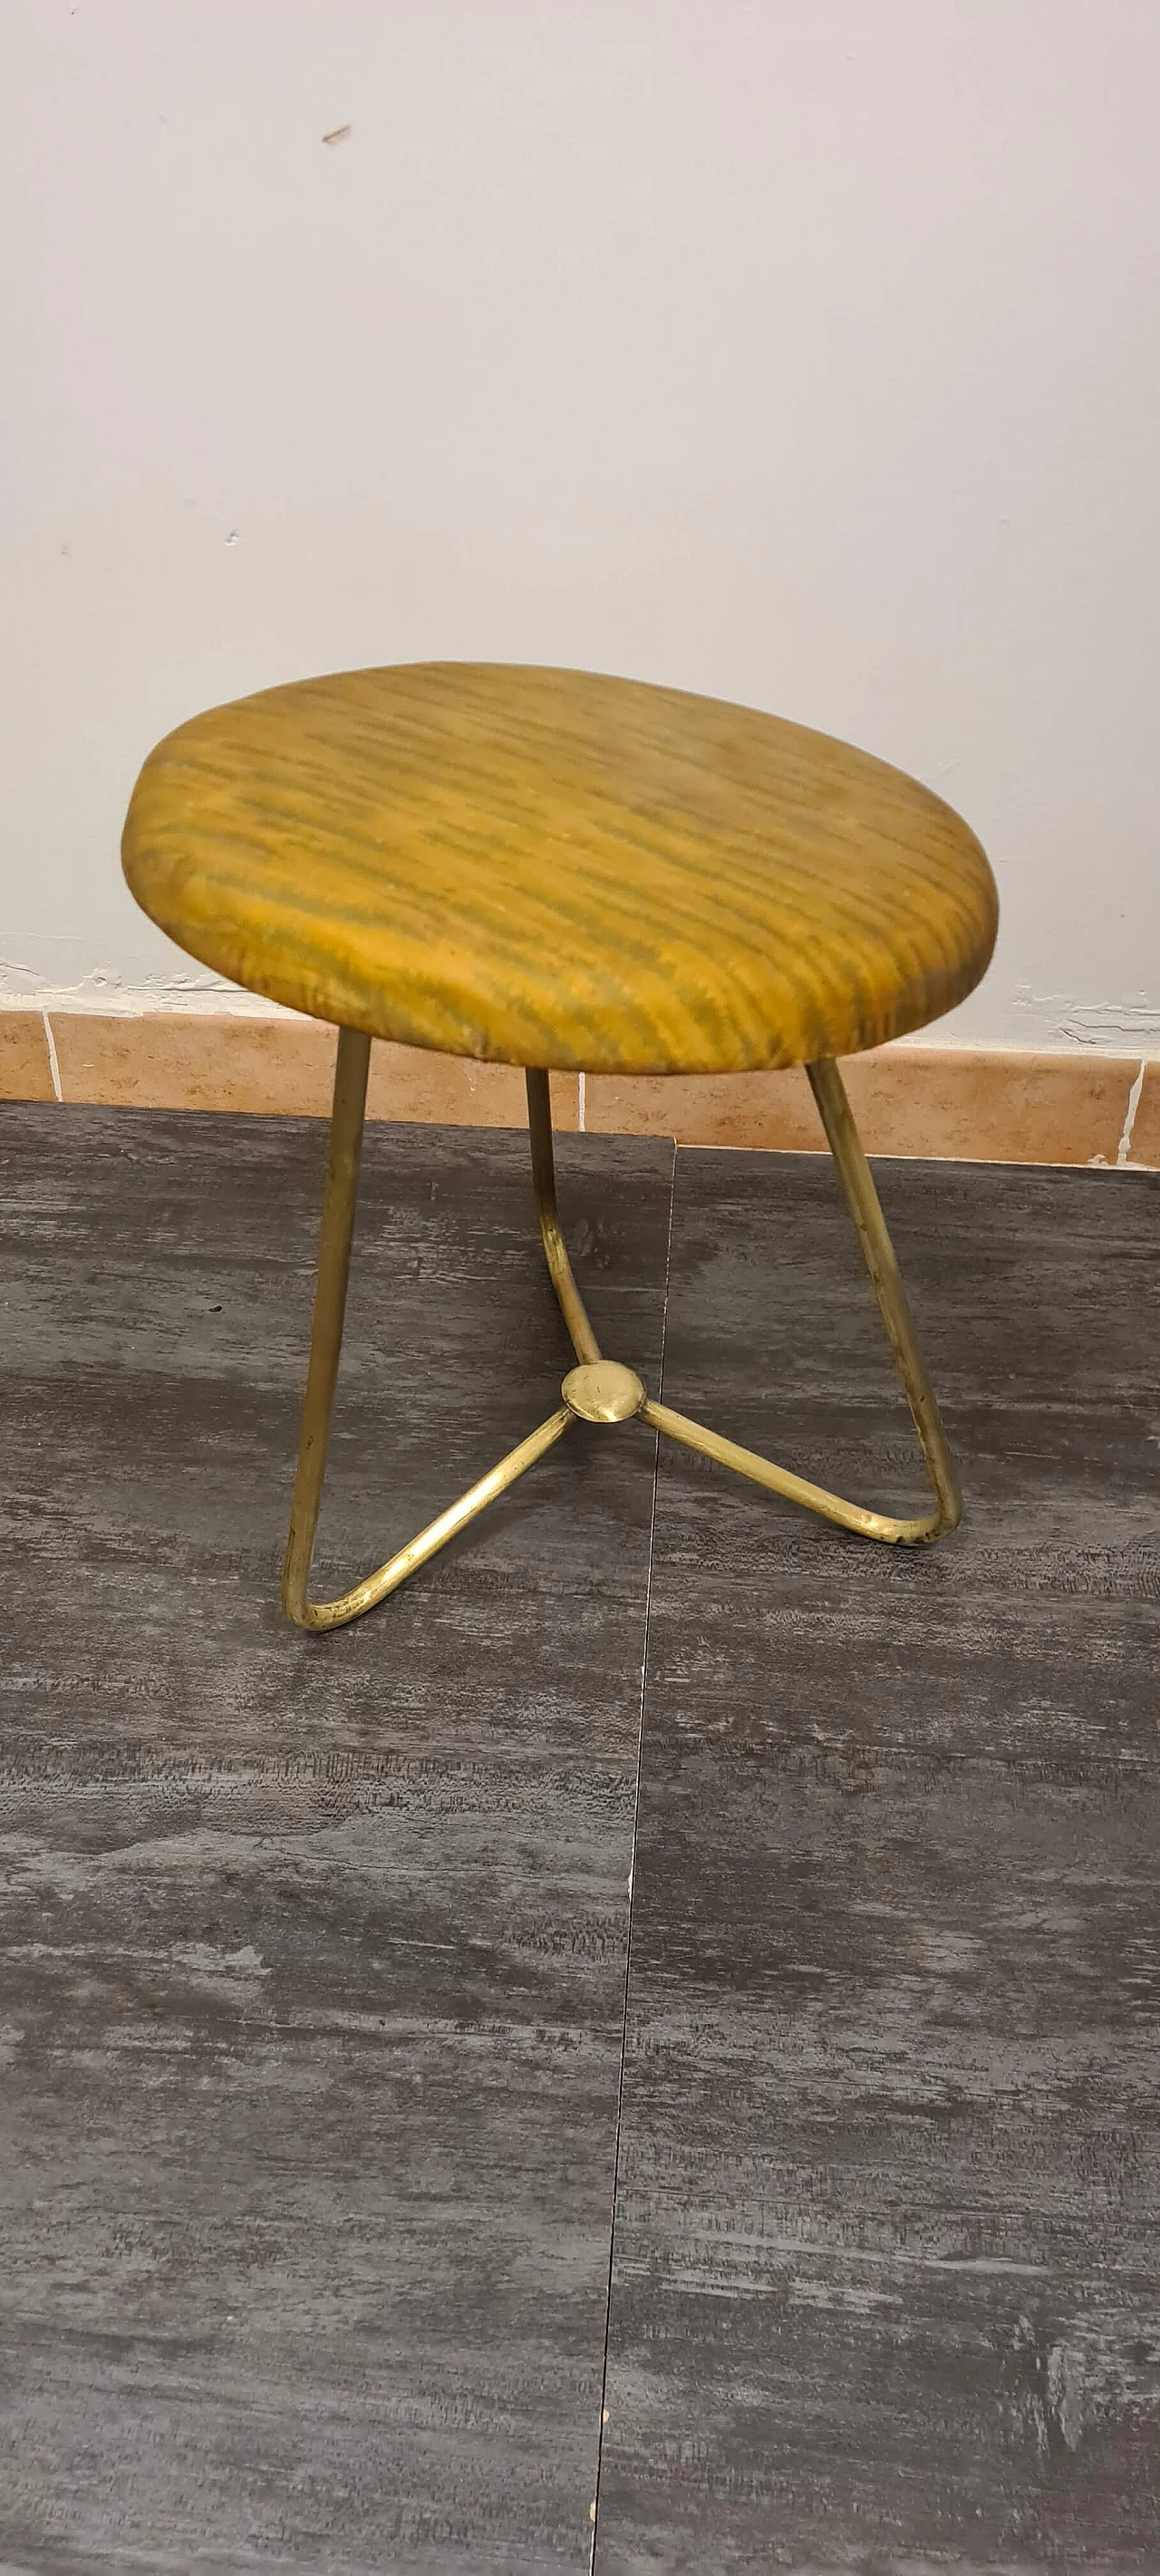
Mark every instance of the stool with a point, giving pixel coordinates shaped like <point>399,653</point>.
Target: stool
<point>554,869</point>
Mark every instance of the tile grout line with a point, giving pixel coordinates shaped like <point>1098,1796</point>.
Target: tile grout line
<point>1124,1147</point>
<point>53,1064</point>
<point>595,2507</point>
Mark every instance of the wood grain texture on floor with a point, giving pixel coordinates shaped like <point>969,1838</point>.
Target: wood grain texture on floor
<point>314,1995</point>
<point>313,2025</point>
<point>885,2291</point>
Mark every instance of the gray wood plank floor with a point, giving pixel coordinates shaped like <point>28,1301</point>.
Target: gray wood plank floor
<point>319,2080</point>
<point>315,1983</point>
<point>886,2292</point>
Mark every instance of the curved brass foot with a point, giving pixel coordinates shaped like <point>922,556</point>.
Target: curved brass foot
<point>878,1254</point>
<point>797,1489</point>
<point>338,1213</point>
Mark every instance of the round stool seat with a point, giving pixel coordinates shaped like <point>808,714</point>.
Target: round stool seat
<point>551,868</point>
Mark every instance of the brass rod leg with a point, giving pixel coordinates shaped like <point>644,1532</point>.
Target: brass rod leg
<point>584,1341</point>
<point>877,1250</point>
<point>387,1578</point>
<point>780,1480</point>
<point>878,1254</point>
<point>338,1213</point>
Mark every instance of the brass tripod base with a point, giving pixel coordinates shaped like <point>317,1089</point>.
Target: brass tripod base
<point>596,1390</point>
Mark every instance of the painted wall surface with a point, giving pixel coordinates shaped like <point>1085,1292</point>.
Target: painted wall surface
<point>800,351</point>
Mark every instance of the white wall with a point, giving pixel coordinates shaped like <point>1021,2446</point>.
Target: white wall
<point>800,351</point>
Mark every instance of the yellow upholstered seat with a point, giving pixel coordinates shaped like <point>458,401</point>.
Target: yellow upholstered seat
<point>551,868</point>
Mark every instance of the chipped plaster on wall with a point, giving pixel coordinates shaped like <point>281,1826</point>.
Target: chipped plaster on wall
<point>103,991</point>
<point>1105,1028</point>
<point>1099,1029</point>
<point>1054,1024</point>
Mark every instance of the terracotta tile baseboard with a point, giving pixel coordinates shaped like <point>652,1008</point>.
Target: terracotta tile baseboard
<point>977,1105</point>
<point>969,1104</point>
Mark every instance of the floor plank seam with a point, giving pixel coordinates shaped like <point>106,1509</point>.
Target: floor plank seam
<point>632,1872</point>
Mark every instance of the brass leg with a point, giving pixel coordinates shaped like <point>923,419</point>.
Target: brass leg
<point>878,1255</point>
<point>584,1341</point>
<point>346,1128</point>
<point>877,1252</point>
